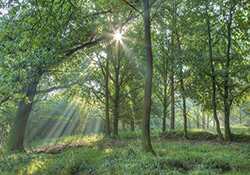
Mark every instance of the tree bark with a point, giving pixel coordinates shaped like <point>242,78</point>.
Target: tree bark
<point>182,88</point>
<point>107,93</point>
<point>172,103</point>
<point>164,110</point>
<point>228,135</point>
<point>116,101</point>
<point>213,78</point>
<point>172,87</point>
<point>16,137</point>
<point>165,71</point>
<point>146,141</point>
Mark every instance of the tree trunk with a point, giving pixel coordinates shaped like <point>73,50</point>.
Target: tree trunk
<point>203,121</point>
<point>116,106</point>
<point>207,121</point>
<point>117,90</point>
<point>172,103</point>
<point>172,89</point>
<point>16,137</point>
<point>132,125</point>
<point>228,135</point>
<point>189,123</point>
<point>213,78</point>
<point>164,112</point>
<point>165,71</point>
<point>146,141</point>
<point>184,104</point>
<point>107,94</point>
<point>182,89</point>
<point>198,117</point>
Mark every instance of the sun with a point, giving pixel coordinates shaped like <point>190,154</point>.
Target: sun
<point>118,36</point>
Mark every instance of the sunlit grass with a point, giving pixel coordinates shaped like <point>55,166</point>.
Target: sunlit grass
<point>123,156</point>
<point>65,140</point>
<point>172,157</point>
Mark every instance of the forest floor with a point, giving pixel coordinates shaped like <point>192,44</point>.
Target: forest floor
<point>96,154</point>
<point>112,143</point>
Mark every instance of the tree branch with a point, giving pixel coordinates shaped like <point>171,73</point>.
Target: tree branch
<point>56,88</point>
<point>133,7</point>
<point>88,44</point>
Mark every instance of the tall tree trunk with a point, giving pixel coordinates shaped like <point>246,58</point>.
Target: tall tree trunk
<point>172,103</point>
<point>164,110</point>
<point>228,135</point>
<point>182,88</point>
<point>16,137</point>
<point>165,71</point>
<point>117,90</point>
<point>146,141</point>
<point>172,87</point>
<point>116,103</point>
<point>107,93</point>
<point>213,78</point>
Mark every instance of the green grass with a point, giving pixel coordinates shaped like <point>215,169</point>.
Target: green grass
<point>123,156</point>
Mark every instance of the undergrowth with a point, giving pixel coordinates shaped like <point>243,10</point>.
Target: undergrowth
<point>109,156</point>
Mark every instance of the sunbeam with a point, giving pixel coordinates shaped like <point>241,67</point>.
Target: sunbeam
<point>77,118</point>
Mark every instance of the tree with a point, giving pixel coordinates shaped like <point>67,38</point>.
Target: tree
<point>146,141</point>
<point>40,41</point>
<point>213,75</point>
<point>107,93</point>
